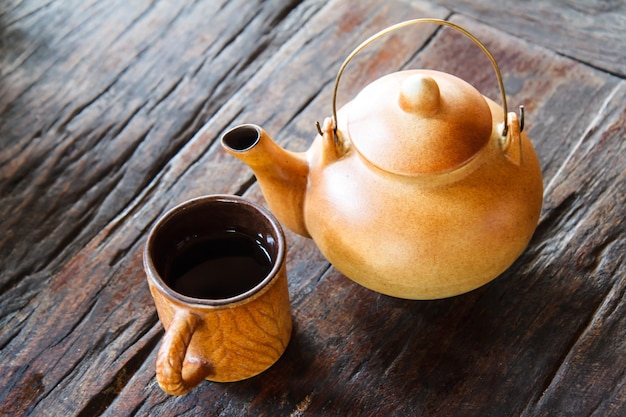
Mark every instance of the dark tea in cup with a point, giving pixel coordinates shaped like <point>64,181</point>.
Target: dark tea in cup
<point>220,266</point>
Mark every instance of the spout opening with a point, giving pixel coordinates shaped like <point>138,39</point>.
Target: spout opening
<point>241,138</point>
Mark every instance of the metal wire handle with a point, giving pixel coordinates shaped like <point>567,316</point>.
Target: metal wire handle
<point>383,32</point>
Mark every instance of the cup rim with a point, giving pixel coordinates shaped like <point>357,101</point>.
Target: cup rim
<point>155,278</point>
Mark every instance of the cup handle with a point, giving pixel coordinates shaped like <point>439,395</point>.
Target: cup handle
<point>176,375</point>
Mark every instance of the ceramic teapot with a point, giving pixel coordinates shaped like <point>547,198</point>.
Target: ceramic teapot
<point>418,188</point>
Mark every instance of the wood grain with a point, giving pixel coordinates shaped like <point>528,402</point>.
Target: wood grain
<point>109,115</point>
<point>588,31</point>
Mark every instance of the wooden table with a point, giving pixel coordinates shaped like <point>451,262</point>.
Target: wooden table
<point>110,113</point>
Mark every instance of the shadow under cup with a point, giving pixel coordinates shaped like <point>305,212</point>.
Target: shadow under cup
<point>216,249</point>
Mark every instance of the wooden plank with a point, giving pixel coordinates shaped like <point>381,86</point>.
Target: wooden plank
<point>93,149</point>
<point>69,341</point>
<point>84,340</point>
<point>486,350</point>
<point>584,223</point>
<point>589,31</point>
<point>106,121</point>
<point>590,379</point>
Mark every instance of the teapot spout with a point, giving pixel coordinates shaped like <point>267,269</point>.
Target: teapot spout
<point>282,174</point>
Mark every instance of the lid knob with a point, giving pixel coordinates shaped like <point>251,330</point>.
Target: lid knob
<point>419,93</point>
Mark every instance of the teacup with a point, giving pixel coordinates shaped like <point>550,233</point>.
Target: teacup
<point>216,270</point>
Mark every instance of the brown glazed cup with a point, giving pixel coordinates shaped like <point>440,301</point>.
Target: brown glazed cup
<point>216,335</point>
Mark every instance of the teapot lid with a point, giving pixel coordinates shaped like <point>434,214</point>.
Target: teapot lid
<point>419,122</point>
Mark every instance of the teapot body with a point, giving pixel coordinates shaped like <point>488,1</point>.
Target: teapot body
<point>423,236</point>
<point>424,189</point>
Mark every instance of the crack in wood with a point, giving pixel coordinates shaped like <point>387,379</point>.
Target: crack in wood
<point>611,302</point>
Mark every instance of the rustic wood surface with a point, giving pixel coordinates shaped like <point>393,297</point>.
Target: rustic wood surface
<point>109,115</point>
